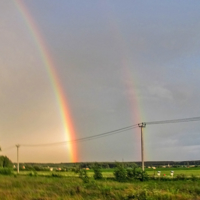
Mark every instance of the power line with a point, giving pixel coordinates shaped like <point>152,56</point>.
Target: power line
<point>141,125</point>
<point>8,148</point>
<point>85,138</point>
<point>192,119</point>
<point>115,131</point>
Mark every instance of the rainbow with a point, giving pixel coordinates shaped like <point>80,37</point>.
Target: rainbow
<point>51,70</point>
<point>129,79</point>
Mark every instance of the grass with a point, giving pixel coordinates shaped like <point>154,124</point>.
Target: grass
<point>67,185</point>
<point>63,188</point>
<point>108,173</point>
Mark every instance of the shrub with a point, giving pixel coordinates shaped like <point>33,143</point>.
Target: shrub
<point>181,177</point>
<point>194,178</point>
<point>6,171</point>
<point>28,168</point>
<point>83,175</point>
<point>120,173</point>
<point>56,175</point>
<point>33,173</point>
<point>137,174</point>
<point>141,175</point>
<point>132,172</point>
<point>97,171</point>
<point>76,169</point>
<point>36,168</point>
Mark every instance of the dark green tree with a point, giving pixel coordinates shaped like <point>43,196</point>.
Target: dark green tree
<point>97,171</point>
<point>133,171</point>
<point>83,175</point>
<point>120,173</point>
<point>5,161</point>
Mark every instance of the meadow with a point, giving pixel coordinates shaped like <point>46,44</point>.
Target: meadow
<point>44,188</point>
<point>108,173</point>
<point>67,185</point>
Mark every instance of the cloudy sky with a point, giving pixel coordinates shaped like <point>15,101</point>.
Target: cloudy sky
<point>119,63</point>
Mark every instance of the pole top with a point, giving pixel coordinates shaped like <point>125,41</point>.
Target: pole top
<point>142,125</point>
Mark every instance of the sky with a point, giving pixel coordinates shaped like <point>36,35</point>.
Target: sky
<point>119,63</point>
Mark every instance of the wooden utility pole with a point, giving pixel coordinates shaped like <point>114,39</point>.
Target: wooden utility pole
<point>18,157</point>
<point>142,125</point>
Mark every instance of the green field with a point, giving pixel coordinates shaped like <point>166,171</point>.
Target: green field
<point>67,185</point>
<point>177,171</point>
<point>109,172</point>
<point>63,188</point>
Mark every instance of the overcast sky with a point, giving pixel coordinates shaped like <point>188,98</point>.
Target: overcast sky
<point>119,63</point>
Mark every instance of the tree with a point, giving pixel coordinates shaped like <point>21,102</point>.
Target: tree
<point>136,173</point>
<point>120,173</point>
<point>83,175</point>
<point>5,161</point>
<point>97,171</point>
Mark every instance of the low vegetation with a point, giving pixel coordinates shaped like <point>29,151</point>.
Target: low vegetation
<point>97,171</point>
<point>95,182</point>
<point>75,188</point>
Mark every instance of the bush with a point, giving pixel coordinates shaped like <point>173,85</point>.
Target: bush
<point>76,169</point>
<point>97,171</point>
<point>83,175</point>
<point>194,178</point>
<point>142,175</point>
<point>33,173</point>
<point>120,173</point>
<point>181,177</point>
<point>5,171</point>
<point>36,168</point>
<point>137,174</point>
<point>132,172</point>
<point>56,175</point>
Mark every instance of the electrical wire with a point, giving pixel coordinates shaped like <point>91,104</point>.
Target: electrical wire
<point>8,148</point>
<point>192,119</point>
<point>85,138</point>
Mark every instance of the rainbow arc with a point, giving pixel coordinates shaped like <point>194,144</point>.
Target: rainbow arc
<point>53,76</point>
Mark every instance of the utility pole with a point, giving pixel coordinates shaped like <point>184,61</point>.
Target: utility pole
<point>18,157</point>
<point>142,125</point>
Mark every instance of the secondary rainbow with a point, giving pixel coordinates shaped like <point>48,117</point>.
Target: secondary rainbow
<point>51,70</point>
<point>128,77</point>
